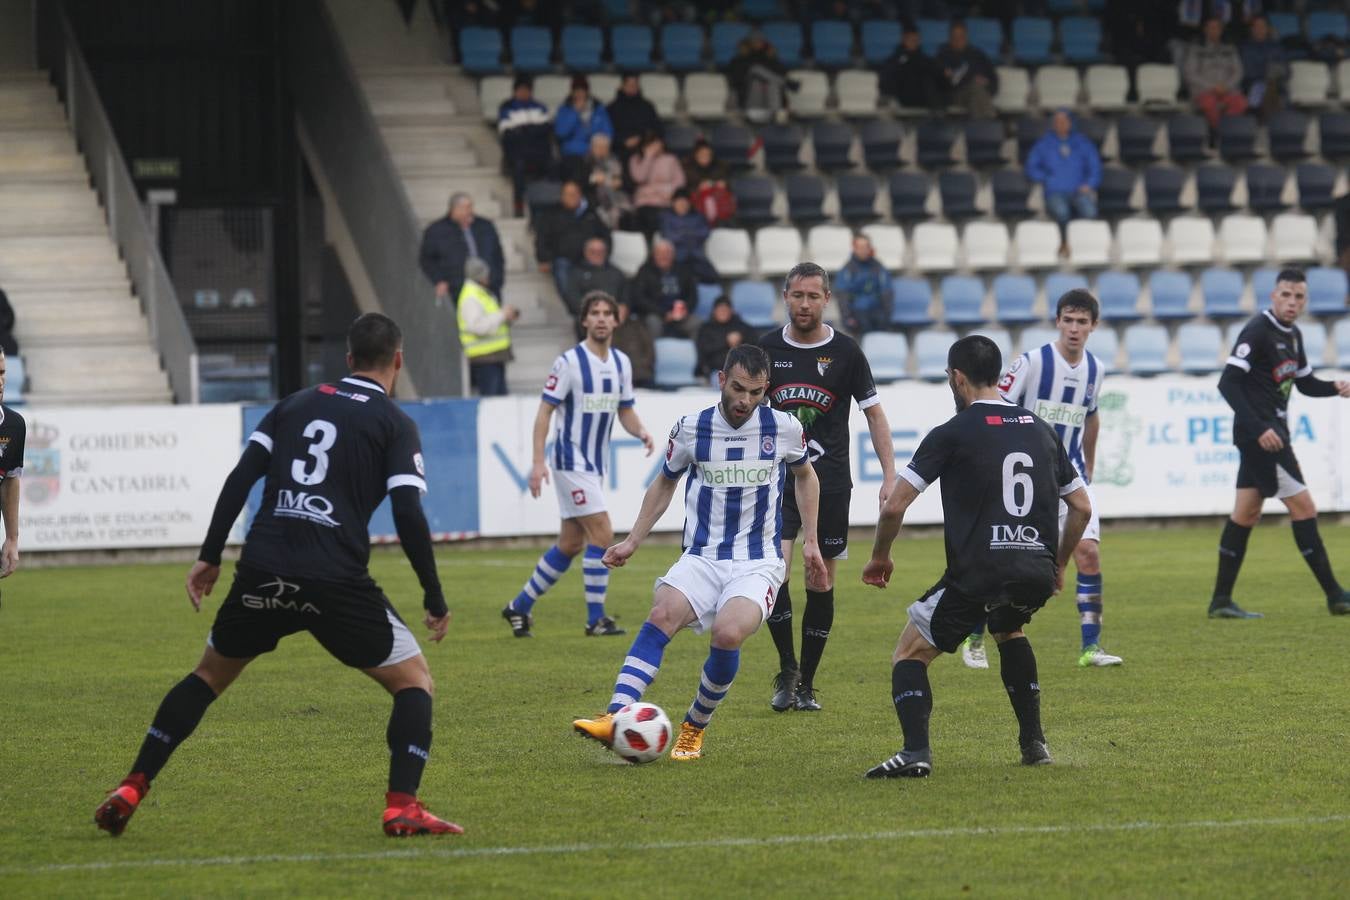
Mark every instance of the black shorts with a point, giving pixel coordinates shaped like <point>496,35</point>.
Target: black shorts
<point>353,620</point>
<point>831,521</point>
<point>1273,474</point>
<point>945,616</point>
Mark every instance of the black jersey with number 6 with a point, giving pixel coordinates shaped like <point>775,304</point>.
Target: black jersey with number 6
<point>336,450</point>
<point>1003,472</point>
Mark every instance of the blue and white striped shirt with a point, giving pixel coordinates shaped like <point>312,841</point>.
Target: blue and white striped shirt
<point>1064,395</point>
<point>587,393</point>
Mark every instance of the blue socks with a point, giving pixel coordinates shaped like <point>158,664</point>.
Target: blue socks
<point>547,571</point>
<point>1090,608</point>
<point>597,582</point>
<point>718,673</point>
<point>639,667</point>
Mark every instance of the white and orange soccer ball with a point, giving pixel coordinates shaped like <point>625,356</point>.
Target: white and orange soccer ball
<point>642,732</point>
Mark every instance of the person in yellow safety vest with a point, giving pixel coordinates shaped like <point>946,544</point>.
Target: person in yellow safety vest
<point>484,330</point>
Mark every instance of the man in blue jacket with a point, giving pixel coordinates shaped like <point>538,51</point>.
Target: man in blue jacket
<point>1069,170</point>
<point>579,117</point>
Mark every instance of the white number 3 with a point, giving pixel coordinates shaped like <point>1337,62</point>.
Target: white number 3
<point>324,434</point>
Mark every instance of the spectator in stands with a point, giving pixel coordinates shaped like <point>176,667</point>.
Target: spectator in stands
<point>632,115</point>
<point>911,76</point>
<point>633,338</point>
<point>1213,73</point>
<point>523,126</point>
<point>561,234</point>
<point>578,118</point>
<point>759,78</point>
<point>723,330</point>
<point>449,242</point>
<point>656,175</point>
<point>706,178</point>
<point>604,183</point>
<point>1264,71</point>
<point>484,329</point>
<point>594,273</point>
<point>665,293</point>
<point>684,227</point>
<point>1069,169</point>
<point>970,75</point>
<point>863,288</point>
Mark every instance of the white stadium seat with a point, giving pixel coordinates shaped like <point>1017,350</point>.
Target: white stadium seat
<point>1013,89</point>
<point>857,92</point>
<point>1309,82</point>
<point>1089,242</point>
<point>1191,239</point>
<point>1242,238</point>
<point>1056,86</point>
<point>629,251</point>
<point>705,95</point>
<point>829,246</point>
<point>1139,242</point>
<point>777,249</point>
<point>552,90</point>
<point>493,91</point>
<point>813,92</point>
<point>1293,237</point>
<point>986,245</point>
<point>662,90</point>
<point>728,249</point>
<point>1157,84</point>
<point>889,243</point>
<point>1106,87</point>
<point>1037,244</point>
<point>934,246</point>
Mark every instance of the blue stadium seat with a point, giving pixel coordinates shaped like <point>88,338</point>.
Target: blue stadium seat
<point>1171,293</point>
<point>832,141</point>
<point>1222,291</point>
<point>961,297</point>
<point>726,36</point>
<point>16,380</point>
<point>1214,188</point>
<point>680,139</point>
<point>958,194</point>
<point>1081,39</point>
<point>1031,39</point>
<point>1314,343</point>
<point>1062,7</point>
<point>1187,138</point>
<point>1104,345</point>
<point>910,301</point>
<point>1288,129</point>
<point>1162,188</point>
<point>707,296</point>
<point>1326,291</point>
<point>1011,190</point>
<point>1335,133</point>
<point>857,197</point>
<point>888,355</point>
<point>1263,285</point>
<point>1315,185</point>
<point>676,359</point>
<point>1340,337</point>
<point>880,37</point>
<point>1057,284</point>
<point>531,48</point>
<point>933,34</point>
<point>731,144</point>
<point>832,44</point>
<point>1198,345</point>
<point>909,194</point>
<point>1145,349</point>
<point>782,147</point>
<point>806,199</point>
<point>935,139</point>
<point>755,302</point>
<point>759,10</point>
<point>1118,294</point>
<point>1237,138</point>
<point>1135,136</point>
<point>632,46</point>
<point>1326,24</point>
<point>786,38</point>
<point>480,50</point>
<point>1264,186</point>
<point>1029,131</point>
<point>682,46</point>
<point>1113,194</point>
<point>986,34</point>
<point>930,353</point>
<point>581,48</point>
<point>1285,24</point>
<point>984,142</point>
<point>754,200</point>
<point>881,144</point>
<point>1014,298</point>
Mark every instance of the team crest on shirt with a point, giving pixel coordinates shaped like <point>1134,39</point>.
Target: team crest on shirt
<point>419,465</point>
<point>551,382</point>
<point>766,446</point>
<point>579,498</point>
<point>823,363</point>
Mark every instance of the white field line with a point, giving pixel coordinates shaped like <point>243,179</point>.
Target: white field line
<point>711,843</point>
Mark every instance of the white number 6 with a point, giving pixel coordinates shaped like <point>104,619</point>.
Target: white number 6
<point>1012,480</point>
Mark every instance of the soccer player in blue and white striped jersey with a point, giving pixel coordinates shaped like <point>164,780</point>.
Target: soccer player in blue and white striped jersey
<point>589,388</point>
<point>734,457</point>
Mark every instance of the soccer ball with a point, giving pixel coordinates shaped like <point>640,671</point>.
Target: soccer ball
<point>641,732</point>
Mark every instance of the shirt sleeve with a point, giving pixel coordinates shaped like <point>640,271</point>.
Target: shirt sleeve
<point>793,444</point>
<point>1097,384</point>
<point>930,460</point>
<point>678,455</point>
<point>864,386</point>
<point>1065,474</point>
<point>1013,384</point>
<point>1242,351</point>
<point>265,434</point>
<point>558,384</point>
<point>626,397</point>
<point>403,463</point>
<point>1304,367</point>
<point>11,465</point>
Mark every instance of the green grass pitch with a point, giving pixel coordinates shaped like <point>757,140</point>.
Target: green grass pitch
<point>1213,763</point>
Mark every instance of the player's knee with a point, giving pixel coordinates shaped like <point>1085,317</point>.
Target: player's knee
<point>571,546</point>
<point>1001,636</point>
<point>729,636</point>
<point>1088,559</point>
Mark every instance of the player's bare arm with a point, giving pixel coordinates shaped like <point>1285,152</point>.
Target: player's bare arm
<point>539,437</point>
<point>807,489</point>
<point>1080,510</point>
<point>9,509</point>
<point>654,504</point>
<point>878,570</point>
<point>883,445</point>
<point>1091,428</point>
<point>628,418</point>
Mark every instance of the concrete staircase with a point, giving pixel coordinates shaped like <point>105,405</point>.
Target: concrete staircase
<point>81,332</point>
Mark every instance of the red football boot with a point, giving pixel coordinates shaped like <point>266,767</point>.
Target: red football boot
<point>114,813</point>
<point>404,815</point>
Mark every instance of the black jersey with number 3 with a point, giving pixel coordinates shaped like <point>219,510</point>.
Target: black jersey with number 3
<point>336,450</point>
<point>814,383</point>
<point>1003,472</point>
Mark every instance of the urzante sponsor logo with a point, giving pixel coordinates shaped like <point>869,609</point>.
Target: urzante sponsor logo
<point>304,505</point>
<point>735,474</point>
<point>803,395</point>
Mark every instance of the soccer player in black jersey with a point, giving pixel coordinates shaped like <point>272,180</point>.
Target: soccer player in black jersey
<point>1003,473</point>
<point>1268,360</point>
<point>816,369</point>
<point>13,431</point>
<point>330,454</point>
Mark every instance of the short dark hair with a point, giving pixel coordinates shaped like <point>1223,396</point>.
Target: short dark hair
<point>594,297</point>
<point>807,270</point>
<point>978,357</point>
<point>1291,274</point>
<point>372,340</point>
<point>749,357</point>
<point>1078,298</point>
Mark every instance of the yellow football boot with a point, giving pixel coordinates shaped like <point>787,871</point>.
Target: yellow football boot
<point>689,745</point>
<point>601,728</point>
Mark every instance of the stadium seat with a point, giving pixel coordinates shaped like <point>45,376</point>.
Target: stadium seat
<point>1037,244</point>
<point>1293,236</point>
<point>782,147</point>
<point>1106,87</point>
<point>1237,138</point>
<point>542,196</point>
<point>935,246</point>
<point>16,381</point>
<point>1288,133</point>
<point>1011,189</point>
<point>480,51</point>
<point>725,37</point>
<point>805,198</point>
<point>1314,343</point>
<point>1038,336</point>
<point>957,190</point>
<point>1191,239</point>
<point>786,38</point>
<point>632,49</point>
<point>1187,138</point>
<point>1340,339</point>
<point>728,249</point>
<point>758,10</point>
<point>888,241</point>
<point>1118,293</point>
<point>1326,24</point>
<point>1031,39</point>
<point>1263,285</point>
<point>881,144</point>
<point>1029,130</point>
<point>986,245</point>
<point>1015,299</point>
<point>777,249</point>
<point>755,302</point>
<point>984,142</point>
<point>754,200</point>
<point>880,37</point>
<point>1139,242</point>
<point>1014,90</point>
<point>1080,38</point>
<point>1343,80</point>
<point>832,142</point>
<point>1089,243</point>
<point>1137,138</point>
<point>581,48</point>
<point>935,139</point>
<point>1157,84</point>
<point>832,43</point>
<point>1316,186</point>
<point>930,353</point>
<point>1326,291</point>
<point>1162,189</point>
<point>1115,195</point>
<point>1221,293</point>
<point>604,86</point>
<point>662,90</point>
<point>857,92</point>
<point>1171,294</point>
<point>1145,349</point>
<point>1198,346</point>
<point>1265,188</point>
<point>628,251</point>
<point>493,91</point>
<point>909,195</point>
<point>1285,25</point>
<point>1095,129</point>
<point>682,46</point>
<point>1057,284</point>
<point>857,197</point>
<point>531,48</point>
<point>1056,86</point>
<point>963,300</point>
<point>987,35</point>
<point>911,301</point>
<point>1001,337</point>
<point>676,359</point>
<point>1309,82</point>
<point>933,34</point>
<point>888,355</point>
<point>707,296</point>
<point>1104,345</point>
<point>1334,130</point>
<point>1242,239</point>
<point>1214,186</point>
<point>731,143</point>
<point>829,246</point>
<point>1231,332</point>
<point>552,90</point>
<point>705,95</point>
<point>812,95</point>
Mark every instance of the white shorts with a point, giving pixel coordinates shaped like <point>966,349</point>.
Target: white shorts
<point>1093,531</point>
<point>579,493</point>
<point>709,583</point>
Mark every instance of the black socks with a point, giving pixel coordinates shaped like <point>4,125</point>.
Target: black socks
<point>1232,548</point>
<point>1017,665</point>
<point>409,736</point>
<point>780,626</point>
<point>816,622</point>
<point>913,699</point>
<point>1314,553</point>
<point>179,712</point>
